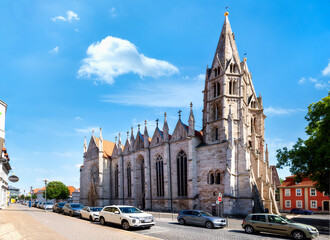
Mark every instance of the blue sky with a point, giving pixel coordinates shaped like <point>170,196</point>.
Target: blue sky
<point>68,67</point>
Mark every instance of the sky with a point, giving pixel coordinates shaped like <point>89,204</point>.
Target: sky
<point>68,67</point>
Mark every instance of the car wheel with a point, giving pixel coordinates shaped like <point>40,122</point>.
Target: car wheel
<point>102,221</point>
<point>209,225</point>
<point>182,221</point>
<point>298,235</point>
<point>71,214</point>
<point>80,216</point>
<point>125,225</point>
<point>249,229</point>
<point>90,218</point>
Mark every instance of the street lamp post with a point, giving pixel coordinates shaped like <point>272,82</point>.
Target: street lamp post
<point>31,196</point>
<point>45,180</point>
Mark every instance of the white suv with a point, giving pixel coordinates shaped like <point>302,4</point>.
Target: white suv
<point>126,216</point>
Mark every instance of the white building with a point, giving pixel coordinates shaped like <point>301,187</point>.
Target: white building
<point>4,159</point>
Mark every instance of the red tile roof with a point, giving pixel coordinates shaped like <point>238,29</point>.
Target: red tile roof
<point>107,147</point>
<point>289,182</point>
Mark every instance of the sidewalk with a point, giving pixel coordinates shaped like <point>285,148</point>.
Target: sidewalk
<point>15,224</point>
<point>19,222</point>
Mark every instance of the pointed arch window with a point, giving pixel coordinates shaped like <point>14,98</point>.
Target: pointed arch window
<point>181,162</point>
<point>210,178</point>
<point>217,178</point>
<point>116,182</point>
<point>214,90</point>
<point>160,176</point>
<point>129,180</point>
<point>218,89</point>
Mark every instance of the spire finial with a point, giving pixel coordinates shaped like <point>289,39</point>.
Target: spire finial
<point>191,105</point>
<point>165,115</point>
<point>157,120</point>
<point>127,134</point>
<point>180,114</point>
<point>116,139</point>
<point>93,132</point>
<point>145,123</point>
<point>139,127</point>
<point>101,133</point>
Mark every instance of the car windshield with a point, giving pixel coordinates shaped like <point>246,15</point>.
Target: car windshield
<point>61,204</point>
<point>49,203</point>
<point>287,219</point>
<point>77,206</point>
<point>206,214</point>
<point>96,209</point>
<point>129,210</point>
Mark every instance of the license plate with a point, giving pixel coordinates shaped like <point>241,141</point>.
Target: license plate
<point>147,221</point>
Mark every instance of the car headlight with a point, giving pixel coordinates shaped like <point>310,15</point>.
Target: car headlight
<point>96,215</point>
<point>133,217</point>
<point>311,229</point>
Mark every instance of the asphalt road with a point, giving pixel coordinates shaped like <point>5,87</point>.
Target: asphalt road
<point>75,228</point>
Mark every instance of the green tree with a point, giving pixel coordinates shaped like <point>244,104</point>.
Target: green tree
<point>34,196</point>
<point>22,196</point>
<point>57,190</point>
<point>311,158</point>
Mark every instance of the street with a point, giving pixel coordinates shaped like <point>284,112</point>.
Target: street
<point>21,222</point>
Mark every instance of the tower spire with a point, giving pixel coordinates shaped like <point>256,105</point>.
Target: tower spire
<point>85,145</point>
<point>191,121</point>
<point>165,129</point>
<point>226,51</point>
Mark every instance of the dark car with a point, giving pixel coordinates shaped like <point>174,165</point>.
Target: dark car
<point>301,211</point>
<point>201,218</point>
<point>58,207</point>
<point>72,209</point>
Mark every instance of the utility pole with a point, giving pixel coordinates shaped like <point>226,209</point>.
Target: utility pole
<point>45,180</point>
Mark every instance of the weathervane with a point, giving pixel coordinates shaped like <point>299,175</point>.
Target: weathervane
<point>157,120</point>
<point>179,114</point>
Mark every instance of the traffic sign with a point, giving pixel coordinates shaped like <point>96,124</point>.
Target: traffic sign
<point>219,199</point>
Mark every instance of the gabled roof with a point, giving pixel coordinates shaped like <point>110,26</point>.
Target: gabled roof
<point>71,189</point>
<point>198,134</point>
<point>289,182</point>
<point>107,147</point>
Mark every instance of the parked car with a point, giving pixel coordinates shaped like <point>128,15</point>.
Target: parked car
<point>301,211</point>
<point>39,204</point>
<point>34,204</point>
<point>58,207</point>
<point>91,213</point>
<point>126,216</point>
<point>48,206</point>
<point>264,222</point>
<point>72,209</point>
<point>201,218</point>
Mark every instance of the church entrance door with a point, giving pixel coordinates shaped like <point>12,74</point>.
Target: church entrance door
<point>140,180</point>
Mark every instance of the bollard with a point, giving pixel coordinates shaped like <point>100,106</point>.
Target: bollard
<point>227,221</point>
<point>159,215</point>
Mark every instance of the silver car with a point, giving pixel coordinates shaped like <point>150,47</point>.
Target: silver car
<point>91,213</point>
<point>201,218</point>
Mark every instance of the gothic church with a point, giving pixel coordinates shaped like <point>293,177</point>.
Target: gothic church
<point>188,168</point>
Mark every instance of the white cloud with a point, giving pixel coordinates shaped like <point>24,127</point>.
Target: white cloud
<point>66,154</point>
<point>302,80</point>
<point>113,12</point>
<point>321,85</point>
<point>318,84</point>
<point>54,50</point>
<point>113,57</point>
<point>271,111</point>
<point>326,71</point>
<point>313,80</point>
<point>168,93</point>
<point>70,15</point>
<point>78,118</point>
<point>88,130</point>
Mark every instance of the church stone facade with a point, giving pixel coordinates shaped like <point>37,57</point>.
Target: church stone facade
<point>188,168</point>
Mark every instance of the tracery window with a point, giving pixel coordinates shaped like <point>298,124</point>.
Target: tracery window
<point>129,180</point>
<point>181,161</point>
<point>116,182</point>
<point>160,176</point>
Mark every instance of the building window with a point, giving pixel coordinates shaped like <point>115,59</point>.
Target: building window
<point>216,134</point>
<point>298,192</point>
<point>214,91</point>
<point>287,192</point>
<point>218,88</point>
<point>160,176</point>
<point>313,192</point>
<point>129,180</point>
<point>313,204</point>
<point>211,178</point>
<point>287,203</point>
<point>299,204</point>
<point>217,179</point>
<point>325,194</point>
<point>116,182</point>
<point>181,162</point>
